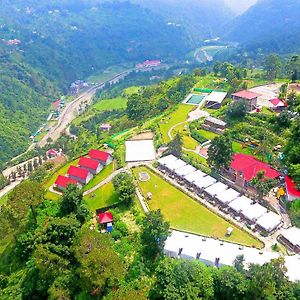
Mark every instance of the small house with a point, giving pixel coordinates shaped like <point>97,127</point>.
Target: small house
<point>105,127</point>
<point>62,182</point>
<point>244,168</point>
<point>103,157</point>
<point>80,174</point>
<point>277,104</point>
<point>292,192</point>
<point>214,100</point>
<point>106,220</point>
<point>91,165</point>
<point>291,238</point>
<point>214,125</point>
<point>248,96</point>
<point>52,153</point>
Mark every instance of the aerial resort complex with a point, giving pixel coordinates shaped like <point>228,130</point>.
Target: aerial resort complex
<point>150,150</point>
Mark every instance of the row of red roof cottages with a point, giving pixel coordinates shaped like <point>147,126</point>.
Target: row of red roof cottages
<point>85,170</point>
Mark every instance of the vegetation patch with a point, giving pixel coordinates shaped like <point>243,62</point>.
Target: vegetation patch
<point>184,213</point>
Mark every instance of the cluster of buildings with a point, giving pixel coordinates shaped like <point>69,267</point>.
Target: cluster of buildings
<point>214,252</point>
<point>77,85</point>
<point>85,170</point>
<point>13,42</point>
<point>148,64</point>
<point>227,199</point>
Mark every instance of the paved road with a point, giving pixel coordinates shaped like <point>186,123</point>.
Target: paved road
<point>68,113</point>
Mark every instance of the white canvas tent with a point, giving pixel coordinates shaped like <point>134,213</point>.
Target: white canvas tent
<point>205,182</point>
<point>167,159</point>
<point>139,151</point>
<point>253,212</point>
<point>227,196</point>
<point>185,170</point>
<point>240,204</point>
<point>216,188</point>
<point>269,221</point>
<point>192,177</point>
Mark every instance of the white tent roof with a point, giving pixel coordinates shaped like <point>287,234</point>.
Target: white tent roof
<point>227,195</point>
<point>292,234</point>
<point>292,264</point>
<point>167,159</point>
<point>139,151</point>
<point>185,170</point>
<point>210,249</point>
<point>205,182</point>
<point>240,204</point>
<point>192,177</point>
<point>174,165</point>
<point>269,221</point>
<point>216,188</point>
<point>217,97</point>
<point>254,211</point>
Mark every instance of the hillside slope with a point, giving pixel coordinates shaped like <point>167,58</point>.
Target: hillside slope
<point>61,41</point>
<point>273,25</point>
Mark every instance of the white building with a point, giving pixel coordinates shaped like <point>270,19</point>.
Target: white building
<point>216,188</point>
<point>240,204</point>
<point>227,196</point>
<point>269,222</point>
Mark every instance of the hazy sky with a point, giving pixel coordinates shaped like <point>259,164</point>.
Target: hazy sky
<point>239,6</point>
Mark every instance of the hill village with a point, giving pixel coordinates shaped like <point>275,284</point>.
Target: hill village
<point>216,214</point>
<point>251,222</point>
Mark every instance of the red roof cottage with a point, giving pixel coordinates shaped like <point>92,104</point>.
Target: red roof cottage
<point>80,174</point>
<point>244,168</point>
<point>278,104</point>
<point>105,218</point>
<point>91,165</point>
<point>292,193</point>
<point>103,157</point>
<point>62,182</point>
<point>249,97</point>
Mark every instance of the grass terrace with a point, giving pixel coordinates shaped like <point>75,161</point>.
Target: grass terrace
<point>186,214</point>
<point>178,116</point>
<point>117,103</point>
<point>102,197</point>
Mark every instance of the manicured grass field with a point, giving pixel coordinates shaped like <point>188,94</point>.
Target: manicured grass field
<point>178,116</point>
<point>111,104</point>
<point>106,172</point>
<point>102,197</point>
<point>197,158</point>
<point>188,141</point>
<point>184,213</point>
<point>132,90</point>
<point>207,134</point>
<point>237,148</point>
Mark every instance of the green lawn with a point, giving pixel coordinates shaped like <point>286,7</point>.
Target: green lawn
<point>178,116</point>
<point>106,172</point>
<point>132,90</point>
<point>197,158</point>
<point>111,104</point>
<point>188,141</point>
<point>102,197</point>
<point>237,148</point>
<point>184,213</point>
<point>4,199</point>
<point>207,134</point>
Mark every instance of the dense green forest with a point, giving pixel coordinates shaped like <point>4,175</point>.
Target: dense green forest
<point>268,26</point>
<point>64,41</point>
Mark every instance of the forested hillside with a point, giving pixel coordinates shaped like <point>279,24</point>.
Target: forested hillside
<point>202,19</point>
<point>61,41</point>
<point>272,25</point>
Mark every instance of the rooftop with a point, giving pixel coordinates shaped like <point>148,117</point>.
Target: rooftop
<point>99,155</point>
<point>105,217</point>
<point>292,234</point>
<point>216,121</point>
<point>291,187</point>
<point>78,172</point>
<point>250,166</point>
<point>63,181</point>
<point>88,163</point>
<point>246,95</point>
<point>269,221</point>
<point>278,103</point>
<point>216,97</point>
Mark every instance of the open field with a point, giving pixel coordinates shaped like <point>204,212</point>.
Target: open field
<point>188,141</point>
<point>108,73</point>
<point>111,104</point>
<point>184,213</point>
<point>106,172</point>
<point>102,197</point>
<point>178,116</point>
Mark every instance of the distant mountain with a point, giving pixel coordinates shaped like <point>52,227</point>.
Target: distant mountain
<point>272,25</point>
<point>59,41</point>
<point>201,18</point>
